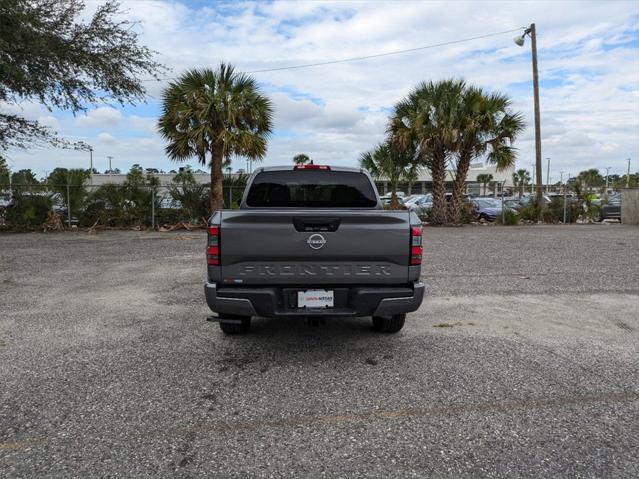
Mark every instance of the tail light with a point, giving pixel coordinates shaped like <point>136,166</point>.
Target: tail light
<point>213,246</point>
<point>416,247</point>
<point>312,167</point>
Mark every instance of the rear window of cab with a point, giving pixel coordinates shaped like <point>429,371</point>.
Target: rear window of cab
<point>311,189</point>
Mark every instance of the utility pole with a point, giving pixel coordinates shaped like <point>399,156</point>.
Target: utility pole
<point>561,180</point>
<point>532,31</point>
<point>533,42</point>
<point>628,175</point>
<point>110,172</point>
<point>607,170</point>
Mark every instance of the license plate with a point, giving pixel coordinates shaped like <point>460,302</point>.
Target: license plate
<point>315,298</point>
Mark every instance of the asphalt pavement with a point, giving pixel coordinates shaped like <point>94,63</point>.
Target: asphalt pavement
<point>523,361</point>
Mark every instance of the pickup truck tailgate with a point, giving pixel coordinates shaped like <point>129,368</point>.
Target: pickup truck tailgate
<point>316,247</point>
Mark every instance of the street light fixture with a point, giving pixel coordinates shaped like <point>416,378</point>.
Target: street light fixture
<point>520,40</point>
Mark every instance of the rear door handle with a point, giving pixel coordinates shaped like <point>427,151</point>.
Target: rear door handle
<point>316,223</point>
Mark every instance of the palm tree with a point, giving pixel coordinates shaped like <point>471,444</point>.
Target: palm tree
<point>487,127</point>
<point>301,159</point>
<point>426,122</point>
<point>484,179</point>
<point>591,178</point>
<point>521,178</point>
<point>213,115</point>
<point>387,162</point>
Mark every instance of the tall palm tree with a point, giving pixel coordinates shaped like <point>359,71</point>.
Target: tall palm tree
<point>484,179</point>
<point>426,121</point>
<point>521,178</point>
<point>213,115</point>
<point>387,162</point>
<point>591,178</point>
<point>487,127</point>
<point>301,159</point>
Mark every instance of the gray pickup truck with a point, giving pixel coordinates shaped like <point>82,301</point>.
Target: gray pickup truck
<point>312,241</point>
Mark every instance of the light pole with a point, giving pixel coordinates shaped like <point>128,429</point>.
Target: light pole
<point>561,179</point>
<point>628,175</point>
<point>565,191</point>
<point>607,170</point>
<point>533,41</point>
<point>533,178</point>
<point>110,172</point>
<point>548,176</point>
<point>91,164</point>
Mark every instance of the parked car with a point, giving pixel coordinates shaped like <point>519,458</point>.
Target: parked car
<point>512,204</point>
<point>611,209</point>
<point>420,204</point>
<point>386,200</point>
<point>486,208</point>
<point>313,241</point>
<point>524,200</point>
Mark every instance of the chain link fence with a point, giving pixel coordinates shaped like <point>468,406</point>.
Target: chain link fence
<point>64,206</point>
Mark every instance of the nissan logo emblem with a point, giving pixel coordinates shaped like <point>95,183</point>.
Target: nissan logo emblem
<point>316,241</point>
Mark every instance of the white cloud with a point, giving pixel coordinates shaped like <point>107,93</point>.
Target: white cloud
<point>587,51</point>
<point>142,123</point>
<point>50,121</point>
<point>100,118</point>
<point>107,138</point>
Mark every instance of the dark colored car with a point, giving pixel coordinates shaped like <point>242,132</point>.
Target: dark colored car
<point>612,209</point>
<point>486,208</point>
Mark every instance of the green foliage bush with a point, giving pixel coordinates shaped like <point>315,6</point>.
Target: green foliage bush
<point>189,197</point>
<point>529,212</point>
<point>467,213</point>
<point>29,210</point>
<point>510,218</point>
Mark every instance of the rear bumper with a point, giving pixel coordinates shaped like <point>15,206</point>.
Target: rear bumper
<point>280,301</point>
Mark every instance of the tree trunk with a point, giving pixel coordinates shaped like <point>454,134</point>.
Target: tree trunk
<point>438,172</point>
<point>217,200</point>
<point>394,204</point>
<point>457,200</point>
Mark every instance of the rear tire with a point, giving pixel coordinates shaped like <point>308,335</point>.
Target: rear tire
<point>235,328</point>
<point>392,324</point>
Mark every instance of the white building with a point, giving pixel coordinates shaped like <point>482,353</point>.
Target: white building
<point>422,184</point>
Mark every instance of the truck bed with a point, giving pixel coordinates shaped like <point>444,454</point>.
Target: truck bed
<point>302,247</point>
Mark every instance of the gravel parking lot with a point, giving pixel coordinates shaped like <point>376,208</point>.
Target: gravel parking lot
<point>523,361</point>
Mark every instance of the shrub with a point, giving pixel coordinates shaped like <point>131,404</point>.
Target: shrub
<point>190,197</point>
<point>510,217</point>
<point>467,213</point>
<point>556,210</point>
<point>529,212</point>
<point>29,209</point>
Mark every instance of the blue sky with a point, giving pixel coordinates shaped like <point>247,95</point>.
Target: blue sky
<point>588,62</point>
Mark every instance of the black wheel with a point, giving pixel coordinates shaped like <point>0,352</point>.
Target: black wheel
<point>386,324</point>
<point>241,327</point>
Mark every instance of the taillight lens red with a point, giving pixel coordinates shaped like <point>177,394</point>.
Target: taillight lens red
<point>213,246</point>
<point>416,247</point>
<point>312,167</point>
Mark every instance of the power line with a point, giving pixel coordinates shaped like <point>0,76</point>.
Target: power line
<point>366,57</point>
